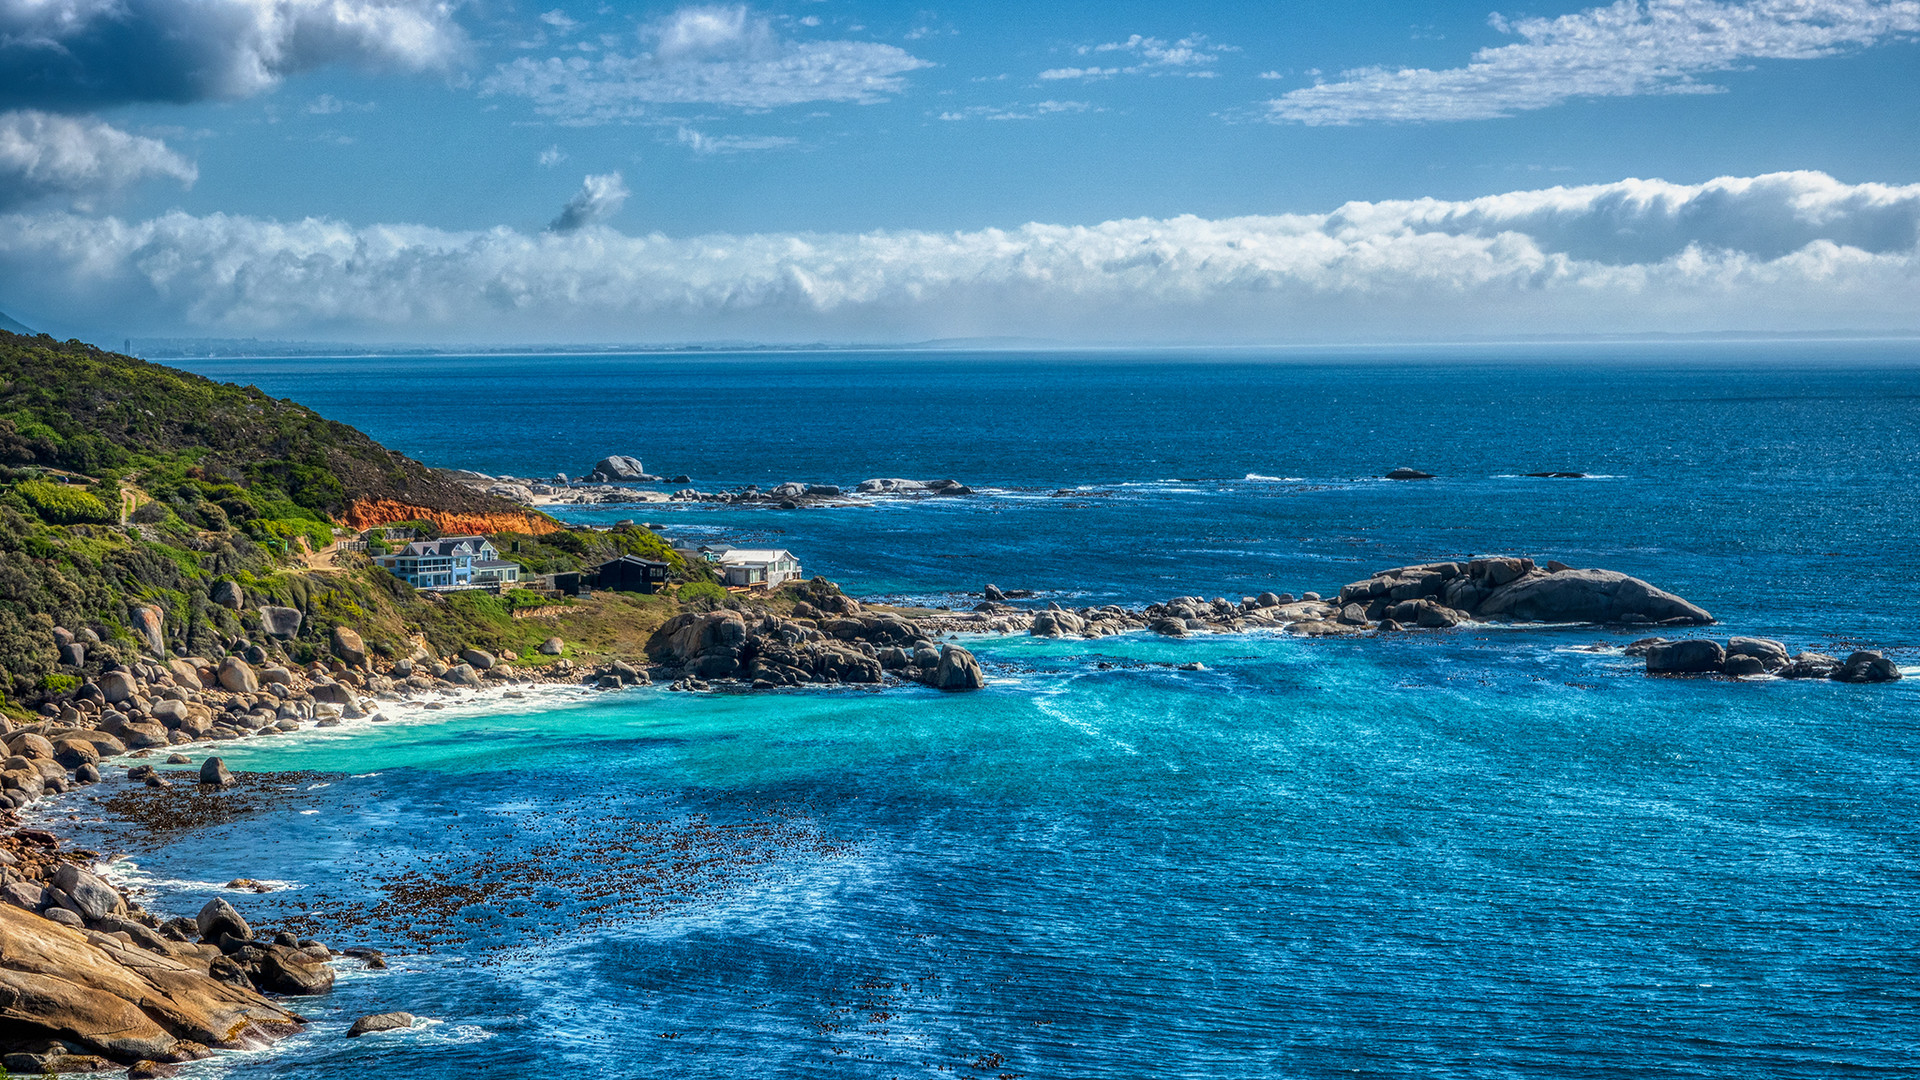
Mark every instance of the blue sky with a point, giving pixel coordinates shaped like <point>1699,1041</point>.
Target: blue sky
<point>416,170</point>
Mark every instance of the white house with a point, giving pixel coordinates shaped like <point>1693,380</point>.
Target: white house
<point>453,562</point>
<point>757,568</point>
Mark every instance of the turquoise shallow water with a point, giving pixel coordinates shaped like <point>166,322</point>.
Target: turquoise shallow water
<point>1482,854</point>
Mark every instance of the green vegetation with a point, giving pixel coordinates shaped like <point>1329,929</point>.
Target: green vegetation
<point>63,504</point>
<point>233,485</point>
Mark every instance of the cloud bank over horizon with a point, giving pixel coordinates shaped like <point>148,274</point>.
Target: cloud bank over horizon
<point>1786,251</point>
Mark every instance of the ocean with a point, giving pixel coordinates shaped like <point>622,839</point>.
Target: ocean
<point>1492,852</point>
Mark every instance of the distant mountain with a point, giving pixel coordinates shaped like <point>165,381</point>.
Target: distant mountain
<point>12,327</point>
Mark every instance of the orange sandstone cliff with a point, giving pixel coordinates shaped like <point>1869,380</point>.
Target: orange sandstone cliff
<point>372,513</point>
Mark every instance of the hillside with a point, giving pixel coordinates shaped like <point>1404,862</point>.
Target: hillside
<point>129,490</point>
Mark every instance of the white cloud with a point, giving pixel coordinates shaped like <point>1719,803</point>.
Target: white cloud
<point>600,197</point>
<point>552,156</point>
<point>1626,49</point>
<point>72,54</point>
<point>328,105</point>
<point>43,155</point>
<point>703,144</point>
<point>1779,252</point>
<point>1190,56</point>
<point>1034,111</point>
<point>558,19</point>
<point>713,55</point>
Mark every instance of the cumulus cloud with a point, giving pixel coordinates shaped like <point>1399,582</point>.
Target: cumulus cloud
<point>1628,48</point>
<point>76,54</point>
<point>43,155</point>
<point>599,198</point>
<point>1190,56</point>
<point>709,55</point>
<point>1778,252</point>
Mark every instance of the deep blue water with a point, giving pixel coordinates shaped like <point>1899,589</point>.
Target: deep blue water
<point>1487,853</point>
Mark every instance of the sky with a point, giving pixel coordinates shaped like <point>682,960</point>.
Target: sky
<point>1113,173</point>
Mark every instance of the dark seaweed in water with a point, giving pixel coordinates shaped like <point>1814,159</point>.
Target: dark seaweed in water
<point>579,869</point>
<point>159,815</point>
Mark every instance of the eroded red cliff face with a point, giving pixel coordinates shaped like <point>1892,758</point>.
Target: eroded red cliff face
<point>372,513</point>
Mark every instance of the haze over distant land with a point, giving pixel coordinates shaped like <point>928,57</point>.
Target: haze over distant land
<point>379,171</point>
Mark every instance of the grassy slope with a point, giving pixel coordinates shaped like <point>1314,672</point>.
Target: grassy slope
<point>229,484</point>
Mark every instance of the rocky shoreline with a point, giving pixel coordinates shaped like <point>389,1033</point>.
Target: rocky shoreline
<point>604,487</point>
<point>90,980</point>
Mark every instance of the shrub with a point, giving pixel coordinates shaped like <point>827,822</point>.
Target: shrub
<point>64,504</point>
<point>704,595</point>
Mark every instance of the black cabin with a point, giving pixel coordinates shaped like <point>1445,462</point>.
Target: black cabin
<point>630,573</point>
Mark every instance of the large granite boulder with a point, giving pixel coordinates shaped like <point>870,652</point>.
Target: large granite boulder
<point>287,970</point>
<point>387,1021</point>
<point>707,645</point>
<point>86,895</point>
<point>237,676</point>
<point>149,624</point>
<point>1867,666</point>
<point>479,658</point>
<point>349,647</point>
<point>99,994</point>
<point>958,670</point>
<point>185,672</point>
<point>891,486</point>
<point>281,622</point>
<point>228,594</point>
<point>1694,657</point>
<point>118,686</point>
<point>1588,596</point>
<point>621,467</point>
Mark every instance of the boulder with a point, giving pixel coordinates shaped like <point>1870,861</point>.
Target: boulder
<point>349,647</point>
<point>1739,664</point>
<point>228,595</point>
<point>118,686</point>
<point>553,646</point>
<point>237,676</point>
<point>281,622</point>
<point>1771,654</point>
<point>462,675</point>
<point>958,670</point>
<point>1693,657</point>
<point>72,752</point>
<point>86,895</point>
<point>621,467</point>
<point>993,595</point>
<point>891,486</point>
<point>149,624</point>
<point>1409,474</point>
<point>1867,666</point>
<point>100,994</point>
<point>185,673</point>
<point>218,919</point>
<point>479,658</point>
<point>213,773</point>
<point>73,654</point>
<point>284,969</point>
<point>1591,596</point>
<point>1810,665</point>
<point>387,1021</point>
<point>31,745</point>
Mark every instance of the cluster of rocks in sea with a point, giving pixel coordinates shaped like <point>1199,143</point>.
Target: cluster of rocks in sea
<point>1429,596</point>
<point>91,980</point>
<point>841,643</point>
<point>1744,657</point>
<point>603,486</point>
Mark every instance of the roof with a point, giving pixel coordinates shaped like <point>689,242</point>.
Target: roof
<point>634,559</point>
<point>446,545</point>
<point>753,555</point>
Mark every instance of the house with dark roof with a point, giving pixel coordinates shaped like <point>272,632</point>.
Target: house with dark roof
<point>630,573</point>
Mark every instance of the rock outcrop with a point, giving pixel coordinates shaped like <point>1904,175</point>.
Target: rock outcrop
<point>1748,656</point>
<point>1516,590</point>
<point>619,467</point>
<point>116,993</point>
